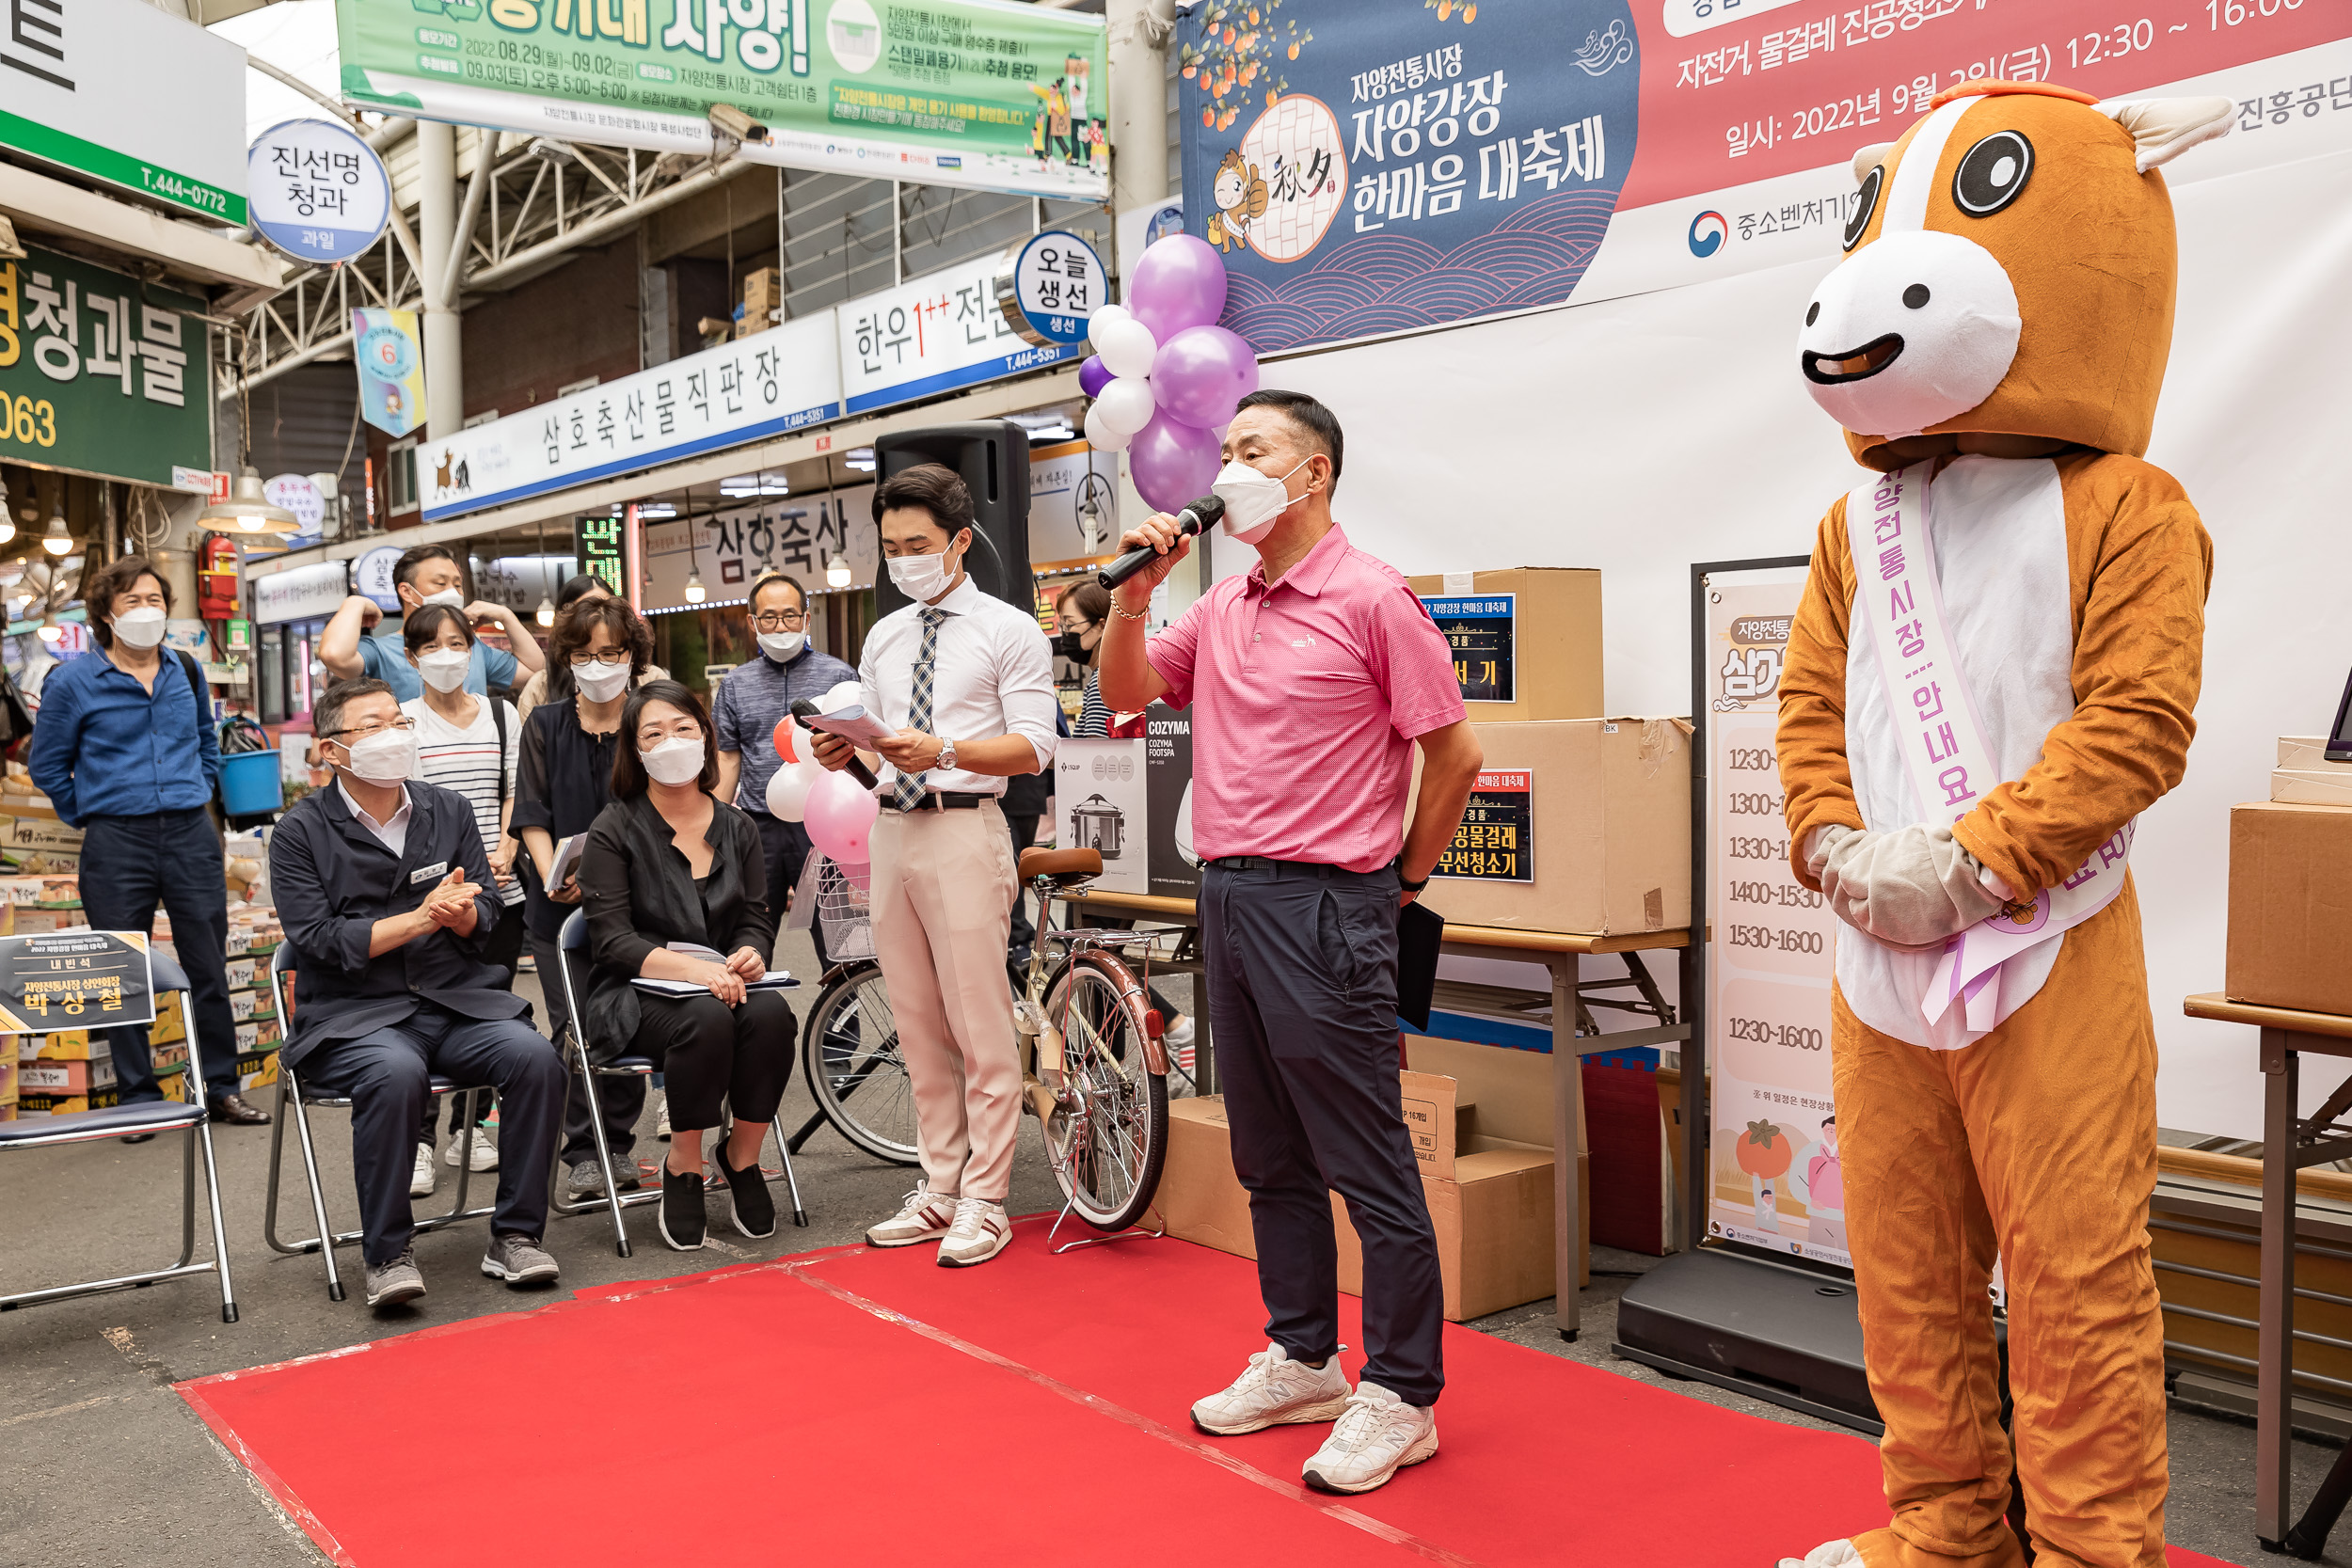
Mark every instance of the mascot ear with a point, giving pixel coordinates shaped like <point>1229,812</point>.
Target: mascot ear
<point>1870,158</point>
<point>2164,128</point>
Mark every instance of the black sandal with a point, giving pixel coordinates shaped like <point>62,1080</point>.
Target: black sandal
<point>755,1206</point>
<point>683,1222</point>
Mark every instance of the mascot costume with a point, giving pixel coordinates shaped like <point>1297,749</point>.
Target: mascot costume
<point>1993,675</point>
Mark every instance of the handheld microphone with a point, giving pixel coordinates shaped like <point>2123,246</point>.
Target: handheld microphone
<point>1202,513</point>
<point>804,709</point>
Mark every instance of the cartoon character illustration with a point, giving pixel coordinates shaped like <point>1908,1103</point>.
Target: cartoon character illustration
<point>1979,697</point>
<point>1764,1152</point>
<point>1819,1183</point>
<point>1074,76</point>
<point>1057,117</point>
<point>1240,196</point>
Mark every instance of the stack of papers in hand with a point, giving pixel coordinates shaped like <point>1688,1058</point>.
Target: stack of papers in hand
<point>775,979</point>
<point>853,724</point>
<point>566,859</point>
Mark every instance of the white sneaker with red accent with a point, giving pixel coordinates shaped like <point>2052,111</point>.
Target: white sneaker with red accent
<point>1830,1554</point>
<point>979,1233</point>
<point>925,1216</point>
<point>1375,1436</point>
<point>1274,1390</point>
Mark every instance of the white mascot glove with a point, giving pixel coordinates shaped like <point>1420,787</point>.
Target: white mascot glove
<point>1912,889</point>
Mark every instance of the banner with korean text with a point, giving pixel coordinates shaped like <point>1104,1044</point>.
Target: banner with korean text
<point>1371,166</point>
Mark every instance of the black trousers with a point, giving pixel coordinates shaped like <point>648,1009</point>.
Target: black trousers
<point>1024,835</point>
<point>623,1099</point>
<point>384,1073</point>
<point>786,848</point>
<point>1302,1000</point>
<point>710,1053</point>
<point>505,949</point>
<point>130,865</point>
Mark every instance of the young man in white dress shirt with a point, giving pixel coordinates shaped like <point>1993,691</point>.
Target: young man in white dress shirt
<point>967,681</point>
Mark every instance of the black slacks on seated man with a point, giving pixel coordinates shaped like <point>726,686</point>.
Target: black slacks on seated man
<point>1302,1000</point>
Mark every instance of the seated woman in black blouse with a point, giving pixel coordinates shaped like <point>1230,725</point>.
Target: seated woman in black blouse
<point>668,867</point>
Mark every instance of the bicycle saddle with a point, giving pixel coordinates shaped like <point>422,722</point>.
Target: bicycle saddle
<point>1068,865</point>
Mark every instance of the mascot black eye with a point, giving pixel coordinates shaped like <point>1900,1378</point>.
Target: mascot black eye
<point>1866,201</point>
<point>1993,174</point>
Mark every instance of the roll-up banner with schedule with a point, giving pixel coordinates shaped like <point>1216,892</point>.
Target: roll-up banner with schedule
<point>1776,1179</point>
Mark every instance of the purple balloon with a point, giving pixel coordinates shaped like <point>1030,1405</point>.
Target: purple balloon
<point>1093,376</point>
<point>1178,282</point>
<point>1201,372</point>
<point>1172,462</point>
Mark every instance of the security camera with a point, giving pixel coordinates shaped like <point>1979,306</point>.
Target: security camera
<point>547,149</point>
<point>728,120</point>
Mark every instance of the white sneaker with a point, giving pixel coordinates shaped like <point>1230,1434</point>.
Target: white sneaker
<point>486,1149</point>
<point>1179,1042</point>
<point>421,1176</point>
<point>1274,1390</point>
<point>979,1233</point>
<point>1375,1436</point>
<point>925,1216</point>
<point>1830,1554</point>
<point>662,1120</point>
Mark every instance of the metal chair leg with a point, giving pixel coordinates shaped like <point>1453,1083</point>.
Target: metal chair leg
<point>188,1203</point>
<point>604,1153</point>
<point>311,1169</point>
<point>220,1233</point>
<point>791,1180</point>
<point>465,1155</point>
<point>277,1164</point>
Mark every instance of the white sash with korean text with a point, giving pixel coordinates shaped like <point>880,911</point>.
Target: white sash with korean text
<point>1943,740</point>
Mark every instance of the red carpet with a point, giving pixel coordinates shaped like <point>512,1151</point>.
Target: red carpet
<point>869,1407</point>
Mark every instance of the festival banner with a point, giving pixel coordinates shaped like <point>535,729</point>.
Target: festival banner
<point>983,94</point>
<point>1371,166</point>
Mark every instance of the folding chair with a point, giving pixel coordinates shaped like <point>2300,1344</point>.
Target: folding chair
<point>292,1100</point>
<point>571,941</point>
<point>155,1115</point>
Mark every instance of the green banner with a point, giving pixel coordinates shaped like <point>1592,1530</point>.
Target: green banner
<point>984,93</point>
<point>102,374</point>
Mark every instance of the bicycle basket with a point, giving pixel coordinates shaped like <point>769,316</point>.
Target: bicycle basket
<point>843,914</point>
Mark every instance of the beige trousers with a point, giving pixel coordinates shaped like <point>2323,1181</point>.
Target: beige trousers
<point>943,890</point>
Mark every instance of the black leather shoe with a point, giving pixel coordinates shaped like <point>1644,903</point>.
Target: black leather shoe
<point>231,1109</point>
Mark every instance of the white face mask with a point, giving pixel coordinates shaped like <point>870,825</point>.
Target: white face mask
<point>675,760</point>
<point>139,629</point>
<point>386,757</point>
<point>600,682</point>
<point>781,645</point>
<point>449,596</point>
<point>923,578</point>
<point>445,669</point>
<point>1252,500</point>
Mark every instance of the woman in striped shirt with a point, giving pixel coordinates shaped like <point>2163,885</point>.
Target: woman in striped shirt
<point>467,744</point>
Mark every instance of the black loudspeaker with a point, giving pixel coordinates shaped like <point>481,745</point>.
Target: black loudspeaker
<point>993,455</point>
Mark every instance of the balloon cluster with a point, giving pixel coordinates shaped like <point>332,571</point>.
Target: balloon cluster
<point>1164,376</point>
<point>839,815</point>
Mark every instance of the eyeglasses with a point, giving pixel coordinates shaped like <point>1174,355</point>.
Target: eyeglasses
<point>780,620</point>
<point>364,731</point>
<point>611,656</point>
<point>677,729</point>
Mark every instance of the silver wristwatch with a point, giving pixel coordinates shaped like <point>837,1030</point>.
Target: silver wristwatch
<point>947,763</point>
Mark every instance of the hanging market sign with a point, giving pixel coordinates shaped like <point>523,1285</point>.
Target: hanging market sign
<point>934,335</point>
<point>1048,289</point>
<point>949,92</point>
<point>748,389</point>
<point>124,93</point>
<point>390,358</point>
<point>319,194</point>
<point>102,374</point>
<point>793,534</point>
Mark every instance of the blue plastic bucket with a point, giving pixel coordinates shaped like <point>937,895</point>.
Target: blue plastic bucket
<point>251,784</point>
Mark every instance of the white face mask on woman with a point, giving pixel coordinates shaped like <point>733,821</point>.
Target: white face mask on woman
<point>139,629</point>
<point>600,682</point>
<point>445,669</point>
<point>675,760</point>
<point>386,757</point>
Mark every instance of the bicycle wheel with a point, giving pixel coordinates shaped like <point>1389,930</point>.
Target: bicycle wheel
<point>1108,1147</point>
<point>850,1056</point>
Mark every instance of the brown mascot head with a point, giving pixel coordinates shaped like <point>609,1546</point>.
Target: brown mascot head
<point>2009,275</point>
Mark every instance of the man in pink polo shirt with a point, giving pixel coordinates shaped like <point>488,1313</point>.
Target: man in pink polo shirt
<point>1310,679</point>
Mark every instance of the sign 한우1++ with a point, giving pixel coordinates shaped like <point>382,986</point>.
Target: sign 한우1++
<point>1482,630</point>
<point>1496,842</point>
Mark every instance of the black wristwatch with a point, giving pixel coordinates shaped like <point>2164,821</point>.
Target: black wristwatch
<point>1410,887</point>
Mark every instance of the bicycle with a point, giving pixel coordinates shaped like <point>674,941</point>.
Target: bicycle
<point>1094,1071</point>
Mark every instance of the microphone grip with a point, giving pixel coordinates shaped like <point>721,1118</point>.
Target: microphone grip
<point>1187,524</point>
<point>804,708</point>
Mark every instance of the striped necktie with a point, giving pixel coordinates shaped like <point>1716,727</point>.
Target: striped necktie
<point>908,789</point>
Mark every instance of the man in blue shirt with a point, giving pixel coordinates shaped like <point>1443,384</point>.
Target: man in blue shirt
<point>425,574</point>
<point>124,749</point>
<point>744,711</point>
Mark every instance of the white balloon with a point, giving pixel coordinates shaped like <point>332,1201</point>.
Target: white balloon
<point>1105,315</point>
<point>1126,405</point>
<point>1127,349</point>
<point>841,696</point>
<point>1100,437</point>
<point>787,792</point>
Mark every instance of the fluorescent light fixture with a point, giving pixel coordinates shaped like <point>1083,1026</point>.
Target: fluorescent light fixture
<point>862,459</point>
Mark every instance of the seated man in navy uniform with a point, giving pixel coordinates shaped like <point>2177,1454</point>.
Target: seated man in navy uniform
<point>386,896</point>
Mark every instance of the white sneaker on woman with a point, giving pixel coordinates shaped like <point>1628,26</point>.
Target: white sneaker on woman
<point>1274,1390</point>
<point>486,1149</point>
<point>1375,1436</point>
<point>421,1176</point>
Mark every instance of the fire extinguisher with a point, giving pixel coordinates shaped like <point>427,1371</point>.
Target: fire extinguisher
<point>216,578</point>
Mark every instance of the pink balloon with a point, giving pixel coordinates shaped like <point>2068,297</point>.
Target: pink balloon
<point>839,817</point>
<point>1178,282</point>
<point>859,877</point>
<point>1201,372</point>
<point>1172,462</point>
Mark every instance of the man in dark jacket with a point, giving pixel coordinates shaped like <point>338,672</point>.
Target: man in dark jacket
<point>384,891</point>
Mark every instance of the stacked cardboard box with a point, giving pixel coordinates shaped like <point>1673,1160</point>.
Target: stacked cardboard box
<point>32,839</point>
<point>2305,777</point>
<point>763,297</point>
<point>2290,941</point>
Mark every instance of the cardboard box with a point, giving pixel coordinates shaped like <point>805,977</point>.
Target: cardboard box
<point>23,922</point>
<point>67,1077</point>
<point>35,832</point>
<point>1526,642</point>
<point>2330,784</point>
<point>1575,826</point>
<point>242,977</point>
<point>2290,909</point>
<point>2305,751</point>
<point>1439,1117</point>
<point>1168,784</point>
<point>763,294</point>
<point>64,1045</point>
<point>29,1105</point>
<point>256,1069</point>
<point>1099,804</point>
<point>171,1020</point>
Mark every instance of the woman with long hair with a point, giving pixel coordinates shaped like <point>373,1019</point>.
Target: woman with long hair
<point>555,681</point>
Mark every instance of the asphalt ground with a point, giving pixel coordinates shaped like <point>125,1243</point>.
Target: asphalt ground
<point>102,1465</point>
